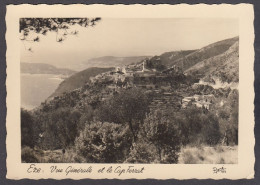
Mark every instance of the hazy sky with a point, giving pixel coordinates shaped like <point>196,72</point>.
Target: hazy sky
<point>128,37</point>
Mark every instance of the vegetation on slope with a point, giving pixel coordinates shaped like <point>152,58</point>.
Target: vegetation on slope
<point>100,134</point>
<point>223,66</point>
<point>78,80</point>
<point>205,53</point>
<point>170,58</point>
<point>187,60</point>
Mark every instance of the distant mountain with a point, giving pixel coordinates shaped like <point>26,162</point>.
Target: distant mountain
<point>111,61</point>
<point>224,67</point>
<point>78,80</point>
<point>188,58</point>
<point>41,68</point>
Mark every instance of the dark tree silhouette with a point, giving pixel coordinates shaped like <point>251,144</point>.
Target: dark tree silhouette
<point>27,129</point>
<point>129,106</point>
<point>41,26</point>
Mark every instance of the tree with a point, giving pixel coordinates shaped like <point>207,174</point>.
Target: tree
<point>86,117</point>
<point>210,131</point>
<point>227,113</point>
<point>104,142</point>
<point>129,106</point>
<point>27,130</point>
<point>28,155</point>
<point>143,151</point>
<point>229,126</point>
<point>155,63</point>
<point>191,121</point>
<point>164,133</point>
<point>234,103</point>
<point>59,127</point>
<point>32,28</point>
<point>197,126</point>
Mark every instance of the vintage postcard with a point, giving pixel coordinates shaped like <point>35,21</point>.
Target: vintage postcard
<point>130,91</point>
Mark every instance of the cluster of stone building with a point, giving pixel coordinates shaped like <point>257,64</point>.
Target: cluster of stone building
<point>137,75</point>
<point>198,100</point>
<point>105,85</point>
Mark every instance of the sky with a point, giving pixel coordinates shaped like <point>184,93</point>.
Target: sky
<point>128,37</point>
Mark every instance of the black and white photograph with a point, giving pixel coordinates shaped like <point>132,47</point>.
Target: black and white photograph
<point>102,91</point>
<point>97,90</point>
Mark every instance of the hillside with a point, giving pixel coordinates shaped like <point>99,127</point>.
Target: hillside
<point>111,61</point>
<point>223,67</point>
<point>204,53</point>
<point>78,80</point>
<point>41,68</point>
<point>217,60</point>
<point>169,58</point>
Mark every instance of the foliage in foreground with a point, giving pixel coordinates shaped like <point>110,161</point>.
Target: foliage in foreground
<point>28,155</point>
<point>109,134</point>
<point>104,142</point>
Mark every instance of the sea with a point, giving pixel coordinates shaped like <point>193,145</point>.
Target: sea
<point>36,88</point>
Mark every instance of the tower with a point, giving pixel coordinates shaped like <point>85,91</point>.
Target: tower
<point>143,67</point>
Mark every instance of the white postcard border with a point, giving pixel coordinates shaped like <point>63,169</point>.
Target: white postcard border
<point>246,158</point>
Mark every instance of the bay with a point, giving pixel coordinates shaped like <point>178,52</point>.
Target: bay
<point>36,88</point>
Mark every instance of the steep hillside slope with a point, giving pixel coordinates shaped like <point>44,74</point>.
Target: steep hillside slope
<point>41,68</point>
<point>205,53</point>
<point>169,58</point>
<point>78,80</point>
<point>224,67</point>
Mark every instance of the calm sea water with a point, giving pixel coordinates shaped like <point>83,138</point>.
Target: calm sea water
<point>36,88</point>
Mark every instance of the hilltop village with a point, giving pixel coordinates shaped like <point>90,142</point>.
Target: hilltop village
<point>169,88</point>
<point>166,85</point>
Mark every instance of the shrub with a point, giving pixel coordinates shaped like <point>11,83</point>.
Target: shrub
<point>27,130</point>
<point>210,130</point>
<point>188,158</point>
<point>28,155</point>
<point>163,132</point>
<point>197,126</point>
<point>59,127</point>
<point>104,142</point>
<point>143,152</point>
<point>128,107</point>
<point>228,118</point>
